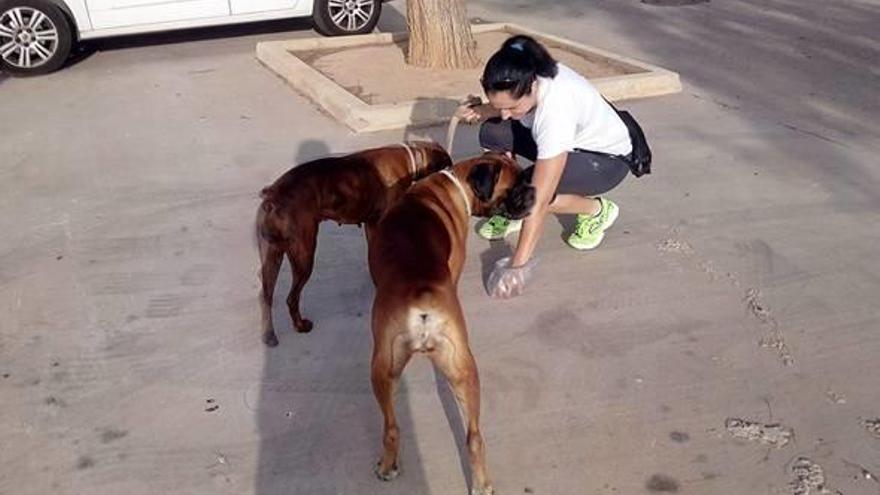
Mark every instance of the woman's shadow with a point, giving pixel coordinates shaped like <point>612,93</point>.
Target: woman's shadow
<point>319,424</point>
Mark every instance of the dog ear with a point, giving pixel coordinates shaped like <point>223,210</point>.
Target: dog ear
<point>482,179</point>
<point>520,198</point>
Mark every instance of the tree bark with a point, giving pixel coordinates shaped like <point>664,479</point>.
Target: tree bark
<point>440,35</point>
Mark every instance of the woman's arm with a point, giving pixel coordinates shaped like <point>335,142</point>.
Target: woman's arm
<point>545,180</point>
<point>477,113</point>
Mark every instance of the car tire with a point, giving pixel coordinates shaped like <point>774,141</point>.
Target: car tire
<point>344,17</point>
<point>35,37</point>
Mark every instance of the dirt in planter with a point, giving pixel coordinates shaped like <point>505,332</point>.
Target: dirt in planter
<point>378,74</point>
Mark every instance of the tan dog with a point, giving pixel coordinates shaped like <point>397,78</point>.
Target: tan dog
<point>416,254</point>
<point>351,189</point>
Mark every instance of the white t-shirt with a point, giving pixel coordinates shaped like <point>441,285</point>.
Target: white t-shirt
<point>570,114</point>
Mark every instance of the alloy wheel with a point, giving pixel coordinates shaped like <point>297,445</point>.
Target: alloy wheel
<point>350,15</point>
<point>28,37</point>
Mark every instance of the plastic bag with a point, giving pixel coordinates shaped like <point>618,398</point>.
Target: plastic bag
<point>505,281</point>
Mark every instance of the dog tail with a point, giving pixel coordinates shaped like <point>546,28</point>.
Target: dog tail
<point>426,320</point>
<point>265,227</point>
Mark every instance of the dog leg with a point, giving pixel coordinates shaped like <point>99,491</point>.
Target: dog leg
<point>385,375</point>
<point>370,232</point>
<point>270,264</point>
<point>301,255</point>
<point>460,370</point>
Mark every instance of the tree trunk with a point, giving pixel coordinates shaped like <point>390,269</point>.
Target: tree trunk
<point>440,35</point>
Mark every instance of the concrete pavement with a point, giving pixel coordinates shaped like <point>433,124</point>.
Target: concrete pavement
<point>740,281</point>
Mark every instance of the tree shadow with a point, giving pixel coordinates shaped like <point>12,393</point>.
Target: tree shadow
<point>392,19</point>
<point>319,425</point>
<point>425,123</point>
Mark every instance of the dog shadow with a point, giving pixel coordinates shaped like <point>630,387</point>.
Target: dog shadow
<point>455,419</point>
<point>319,424</point>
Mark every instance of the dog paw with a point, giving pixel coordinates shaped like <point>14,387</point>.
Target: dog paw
<point>305,326</point>
<point>390,475</point>
<point>270,339</point>
<point>487,490</point>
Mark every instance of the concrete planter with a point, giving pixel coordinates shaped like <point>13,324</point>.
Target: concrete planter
<point>284,58</point>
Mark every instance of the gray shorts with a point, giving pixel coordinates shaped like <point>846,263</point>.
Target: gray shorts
<point>586,173</point>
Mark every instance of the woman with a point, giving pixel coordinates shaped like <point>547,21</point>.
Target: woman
<point>544,111</point>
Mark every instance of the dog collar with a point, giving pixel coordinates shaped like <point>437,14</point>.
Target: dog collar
<point>414,170</point>
<point>454,179</point>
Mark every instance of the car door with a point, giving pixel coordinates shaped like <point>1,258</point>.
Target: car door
<point>122,13</point>
<point>251,6</point>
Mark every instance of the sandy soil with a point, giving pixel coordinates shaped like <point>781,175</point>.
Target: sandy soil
<point>369,81</point>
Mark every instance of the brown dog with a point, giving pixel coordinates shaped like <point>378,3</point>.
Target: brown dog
<point>416,254</point>
<point>351,189</point>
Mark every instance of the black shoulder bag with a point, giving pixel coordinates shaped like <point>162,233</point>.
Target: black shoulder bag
<point>640,161</point>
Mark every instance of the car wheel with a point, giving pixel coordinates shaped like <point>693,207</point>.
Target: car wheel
<point>341,17</point>
<point>35,37</point>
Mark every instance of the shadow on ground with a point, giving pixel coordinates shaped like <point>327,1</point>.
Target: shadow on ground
<point>684,38</point>
<point>333,432</point>
<point>392,20</point>
<point>87,48</point>
<point>320,427</point>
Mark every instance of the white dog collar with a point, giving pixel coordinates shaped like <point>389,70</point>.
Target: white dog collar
<point>454,179</point>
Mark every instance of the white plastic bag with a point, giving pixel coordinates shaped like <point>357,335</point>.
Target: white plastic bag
<point>505,281</point>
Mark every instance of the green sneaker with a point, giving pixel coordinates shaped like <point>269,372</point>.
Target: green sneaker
<point>590,230</point>
<point>498,227</point>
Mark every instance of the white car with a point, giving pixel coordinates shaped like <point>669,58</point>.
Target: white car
<point>36,35</point>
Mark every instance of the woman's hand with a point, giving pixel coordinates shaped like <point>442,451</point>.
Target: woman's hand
<point>545,180</point>
<point>507,281</point>
<point>473,111</point>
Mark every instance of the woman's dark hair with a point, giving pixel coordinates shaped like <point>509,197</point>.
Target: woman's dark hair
<point>515,66</point>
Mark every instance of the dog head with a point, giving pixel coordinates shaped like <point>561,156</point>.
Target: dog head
<point>429,157</point>
<point>498,185</point>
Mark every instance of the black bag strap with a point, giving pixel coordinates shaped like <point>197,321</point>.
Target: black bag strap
<point>640,159</point>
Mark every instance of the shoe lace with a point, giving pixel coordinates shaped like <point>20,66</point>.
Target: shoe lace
<point>498,223</point>
<point>582,229</point>
<point>585,227</point>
